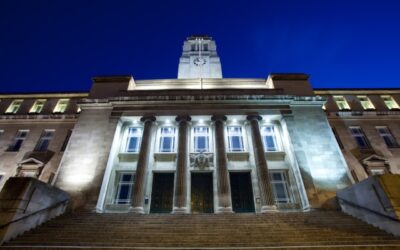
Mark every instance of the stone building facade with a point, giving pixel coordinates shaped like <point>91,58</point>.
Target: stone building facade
<point>201,143</point>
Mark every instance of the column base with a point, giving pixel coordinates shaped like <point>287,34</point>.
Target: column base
<point>180,210</point>
<point>137,210</point>
<point>224,210</point>
<point>269,209</point>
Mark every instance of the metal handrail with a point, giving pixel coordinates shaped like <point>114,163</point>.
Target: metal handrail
<point>369,210</point>
<point>34,213</point>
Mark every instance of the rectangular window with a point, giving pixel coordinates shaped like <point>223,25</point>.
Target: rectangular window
<point>387,137</point>
<point>235,139</point>
<point>133,140</point>
<point>201,139</point>
<point>66,140</point>
<point>341,103</point>
<point>269,138</point>
<point>44,140</point>
<point>390,102</point>
<point>14,106</point>
<point>279,185</point>
<point>360,137</point>
<point>366,102</point>
<point>37,107</point>
<point>125,181</point>
<point>205,47</point>
<point>61,106</point>
<point>18,140</point>
<point>167,139</point>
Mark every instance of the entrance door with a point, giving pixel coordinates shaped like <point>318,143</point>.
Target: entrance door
<point>202,193</point>
<point>242,192</point>
<point>162,193</point>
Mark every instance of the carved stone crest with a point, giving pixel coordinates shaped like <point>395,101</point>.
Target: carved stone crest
<point>201,160</point>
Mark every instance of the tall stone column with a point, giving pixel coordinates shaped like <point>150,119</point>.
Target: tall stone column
<point>223,185</point>
<point>266,192</point>
<point>181,166</point>
<point>141,168</point>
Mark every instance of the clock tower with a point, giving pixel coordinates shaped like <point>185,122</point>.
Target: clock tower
<point>199,58</point>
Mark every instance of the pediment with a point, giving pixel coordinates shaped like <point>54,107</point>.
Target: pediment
<point>375,159</point>
<point>31,161</point>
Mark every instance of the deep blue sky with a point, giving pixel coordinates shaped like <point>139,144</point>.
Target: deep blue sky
<point>58,45</point>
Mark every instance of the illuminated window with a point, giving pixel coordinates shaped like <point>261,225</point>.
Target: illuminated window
<point>387,137</point>
<point>61,106</point>
<point>341,103</point>
<point>125,181</point>
<point>78,110</point>
<point>167,139</point>
<point>366,102</point>
<point>235,139</point>
<point>269,138</point>
<point>37,107</point>
<point>201,139</point>
<point>18,140</point>
<point>133,140</point>
<point>14,106</point>
<point>44,140</point>
<point>280,187</point>
<point>360,137</point>
<point>390,102</point>
<point>324,107</point>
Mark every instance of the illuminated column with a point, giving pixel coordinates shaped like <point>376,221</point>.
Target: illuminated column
<point>223,186</point>
<point>138,188</point>
<point>181,167</point>
<point>266,193</point>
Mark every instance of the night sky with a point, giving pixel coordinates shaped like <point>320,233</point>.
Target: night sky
<point>58,45</point>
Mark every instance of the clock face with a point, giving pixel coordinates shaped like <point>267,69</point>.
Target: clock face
<point>198,61</point>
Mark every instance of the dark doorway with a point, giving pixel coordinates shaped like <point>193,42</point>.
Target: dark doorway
<point>242,192</point>
<point>162,193</point>
<point>202,193</point>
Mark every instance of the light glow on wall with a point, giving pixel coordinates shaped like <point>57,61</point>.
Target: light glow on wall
<point>328,173</point>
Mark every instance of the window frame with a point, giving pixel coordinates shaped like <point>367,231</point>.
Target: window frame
<point>35,105</point>
<point>129,135</point>
<point>161,136</point>
<point>241,136</point>
<point>387,135</point>
<point>60,107</point>
<point>196,134</point>
<point>44,137</point>
<point>285,183</point>
<point>13,146</point>
<point>390,102</point>
<point>275,137</point>
<point>119,183</point>
<point>360,135</point>
<point>14,106</point>
<point>366,103</point>
<point>345,107</point>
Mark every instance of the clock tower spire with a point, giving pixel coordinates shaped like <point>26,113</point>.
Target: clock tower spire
<point>199,58</point>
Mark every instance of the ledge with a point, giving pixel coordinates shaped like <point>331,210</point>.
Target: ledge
<point>128,157</point>
<point>275,156</point>
<point>165,156</point>
<point>237,156</point>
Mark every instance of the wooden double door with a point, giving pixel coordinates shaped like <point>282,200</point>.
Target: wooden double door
<point>162,193</point>
<point>202,200</point>
<point>241,192</point>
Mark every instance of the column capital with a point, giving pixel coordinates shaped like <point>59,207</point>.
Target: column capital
<point>183,118</point>
<point>254,117</point>
<point>147,118</point>
<point>215,118</point>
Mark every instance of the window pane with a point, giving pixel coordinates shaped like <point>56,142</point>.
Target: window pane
<point>201,139</point>
<point>124,188</point>
<point>235,139</point>
<point>269,138</point>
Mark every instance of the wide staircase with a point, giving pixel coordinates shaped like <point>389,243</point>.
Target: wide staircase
<point>315,230</point>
